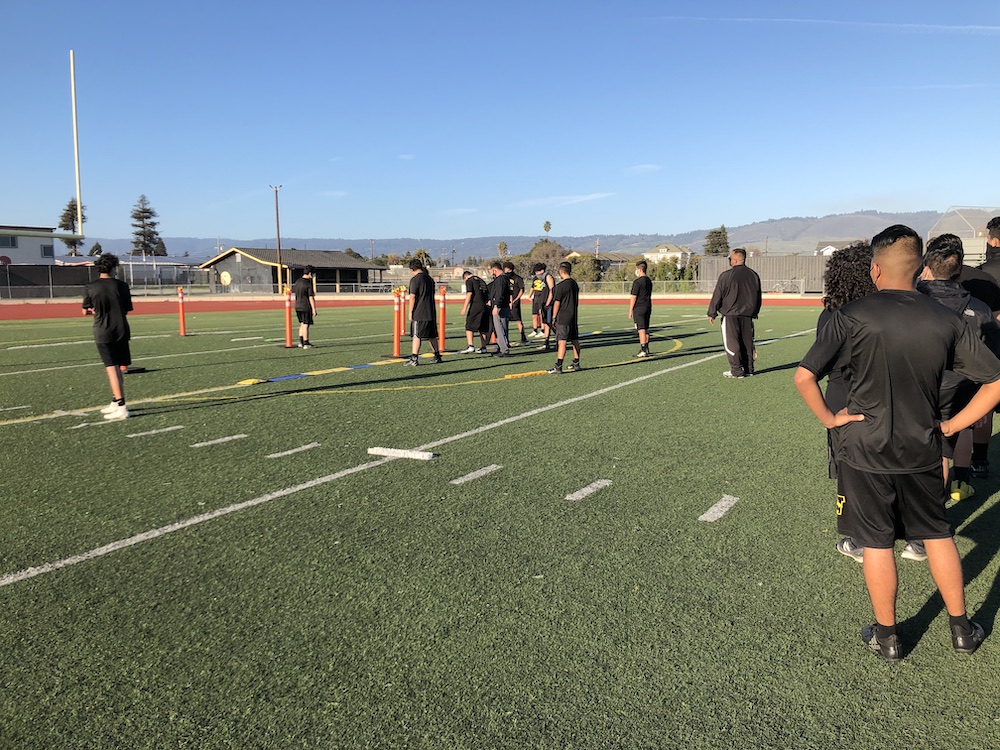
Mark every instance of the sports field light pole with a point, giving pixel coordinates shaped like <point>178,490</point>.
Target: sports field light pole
<point>277,232</point>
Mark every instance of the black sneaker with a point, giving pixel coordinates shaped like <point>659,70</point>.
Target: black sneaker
<point>980,470</point>
<point>967,643</point>
<point>889,649</point>
<point>499,354</point>
<point>410,362</point>
<point>437,360</point>
<point>574,367</point>
<point>557,370</point>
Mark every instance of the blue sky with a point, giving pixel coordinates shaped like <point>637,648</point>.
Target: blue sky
<point>446,119</point>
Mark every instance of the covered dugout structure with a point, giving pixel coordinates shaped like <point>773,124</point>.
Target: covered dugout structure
<point>250,269</point>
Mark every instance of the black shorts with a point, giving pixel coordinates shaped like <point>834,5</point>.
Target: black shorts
<point>305,316</point>
<point>515,310</point>
<point>424,329</point>
<point>115,354</point>
<point>877,509</point>
<point>478,321</point>
<point>536,306</point>
<point>547,314</point>
<point>641,316</point>
<point>567,333</point>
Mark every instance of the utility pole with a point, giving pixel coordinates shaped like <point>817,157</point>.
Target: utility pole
<point>277,231</point>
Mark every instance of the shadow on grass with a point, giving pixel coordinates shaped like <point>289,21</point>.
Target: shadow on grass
<point>984,531</point>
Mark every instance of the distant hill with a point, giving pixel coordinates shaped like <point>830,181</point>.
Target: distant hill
<point>796,234</point>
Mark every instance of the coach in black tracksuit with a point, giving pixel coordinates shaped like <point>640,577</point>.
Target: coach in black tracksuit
<point>737,298</point>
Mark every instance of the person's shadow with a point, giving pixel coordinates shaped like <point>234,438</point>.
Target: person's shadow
<point>984,532</point>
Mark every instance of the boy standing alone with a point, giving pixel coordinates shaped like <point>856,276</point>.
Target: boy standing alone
<point>564,314</point>
<point>305,305</point>
<point>110,302</point>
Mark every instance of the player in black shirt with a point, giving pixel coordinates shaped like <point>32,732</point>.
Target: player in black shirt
<point>423,317</point>
<point>737,297</point>
<point>564,313</point>
<point>500,307</point>
<point>894,347</point>
<point>640,306</point>
<point>305,305</point>
<point>110,302</point>
<point>476,311</point>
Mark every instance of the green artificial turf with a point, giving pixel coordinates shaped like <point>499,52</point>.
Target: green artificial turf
<point>362,602</point>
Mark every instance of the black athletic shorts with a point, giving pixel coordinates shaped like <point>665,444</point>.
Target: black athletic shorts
<point>305,316</point>
<point>537,306</point>
<point>424,329</point>
<point>877,509</point>
<point>641,317</point>
<point>515,310</point>
<point>478,321</point>
<point>567,333</point>
<point>547,314</point>
<point>115,354</point>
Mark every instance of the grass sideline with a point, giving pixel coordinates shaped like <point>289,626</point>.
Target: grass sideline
<point>388,607</point>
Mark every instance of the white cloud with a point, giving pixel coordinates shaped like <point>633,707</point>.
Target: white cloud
<point>407,157</point>
<point>558,201</point>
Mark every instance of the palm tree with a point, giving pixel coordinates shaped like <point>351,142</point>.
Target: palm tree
<point>547,226</point>
<point>502,249</point>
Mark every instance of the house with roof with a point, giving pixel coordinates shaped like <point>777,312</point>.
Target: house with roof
<point>27,245</point>
<point>666,251</point>
<point>250,269</point>
<point>829,247</point>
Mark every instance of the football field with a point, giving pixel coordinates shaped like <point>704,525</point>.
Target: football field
<point>638,555</point>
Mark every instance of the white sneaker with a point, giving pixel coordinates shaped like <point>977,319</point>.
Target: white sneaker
<point>119,413</point>
<point>468,350</point>
<point>110,408</point>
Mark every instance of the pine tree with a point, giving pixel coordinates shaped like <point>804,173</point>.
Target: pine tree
<point>144,235</point>
<point>96,249</point>
<point>717,242</point>
<point>160,249</point>
<point>67,222</point>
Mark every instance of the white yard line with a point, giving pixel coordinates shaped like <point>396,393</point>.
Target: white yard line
<point>590,489</point>
<point>21,575</point>
<point>476,474</point>
<point>82,341</point>
<point>293,451</point>
<point>718,510</point>
<point>156,432</point>
<point>401,453</point>
<point>218,441</point>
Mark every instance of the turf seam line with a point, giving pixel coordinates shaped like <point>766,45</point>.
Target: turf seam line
<point>718,510</point>
<point>218,441</point>
<point>179,525</point>
<point>479,473</point>
<point>590,489</point>
<point>156,432</point>
<point>293,451</point>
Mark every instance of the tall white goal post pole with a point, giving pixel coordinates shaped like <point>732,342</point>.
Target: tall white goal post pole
<point>76,146</point>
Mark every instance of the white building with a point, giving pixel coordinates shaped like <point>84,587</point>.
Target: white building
<point>21,246</point>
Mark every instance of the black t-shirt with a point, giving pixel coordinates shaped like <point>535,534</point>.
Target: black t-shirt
<point>737,293</point>
<point>111,302</point>
<point>303,290</point>
<point>567,294</point>
<point>516,285</point>
<point>896,345</point>
<point>981,285</point>
<point>642,290</point>
<point>422,289</point>
<point>480,295</point>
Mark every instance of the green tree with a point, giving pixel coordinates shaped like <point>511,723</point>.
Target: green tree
<point>96,249</point>
<point>666,270</point>
<point>160,250</point>
<point>67,222</point>
<point>424,257</point>
<point>144,232</point>
<point>547,226</point>
<point>717,241</point>
<point>353,254</point>
<point>586,268</point>
<point>502,249</point>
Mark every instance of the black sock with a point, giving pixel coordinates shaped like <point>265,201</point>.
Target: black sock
<point>980,453</point>
<point>120,401</point>
<point>960,474</point>
<point>576,360</point>
<point>961,623</point>
<point>301,341</point>
<point>559,363</point>
<point>884,631</point>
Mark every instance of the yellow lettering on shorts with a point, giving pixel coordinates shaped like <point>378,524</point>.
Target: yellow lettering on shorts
<point>841,501</point>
